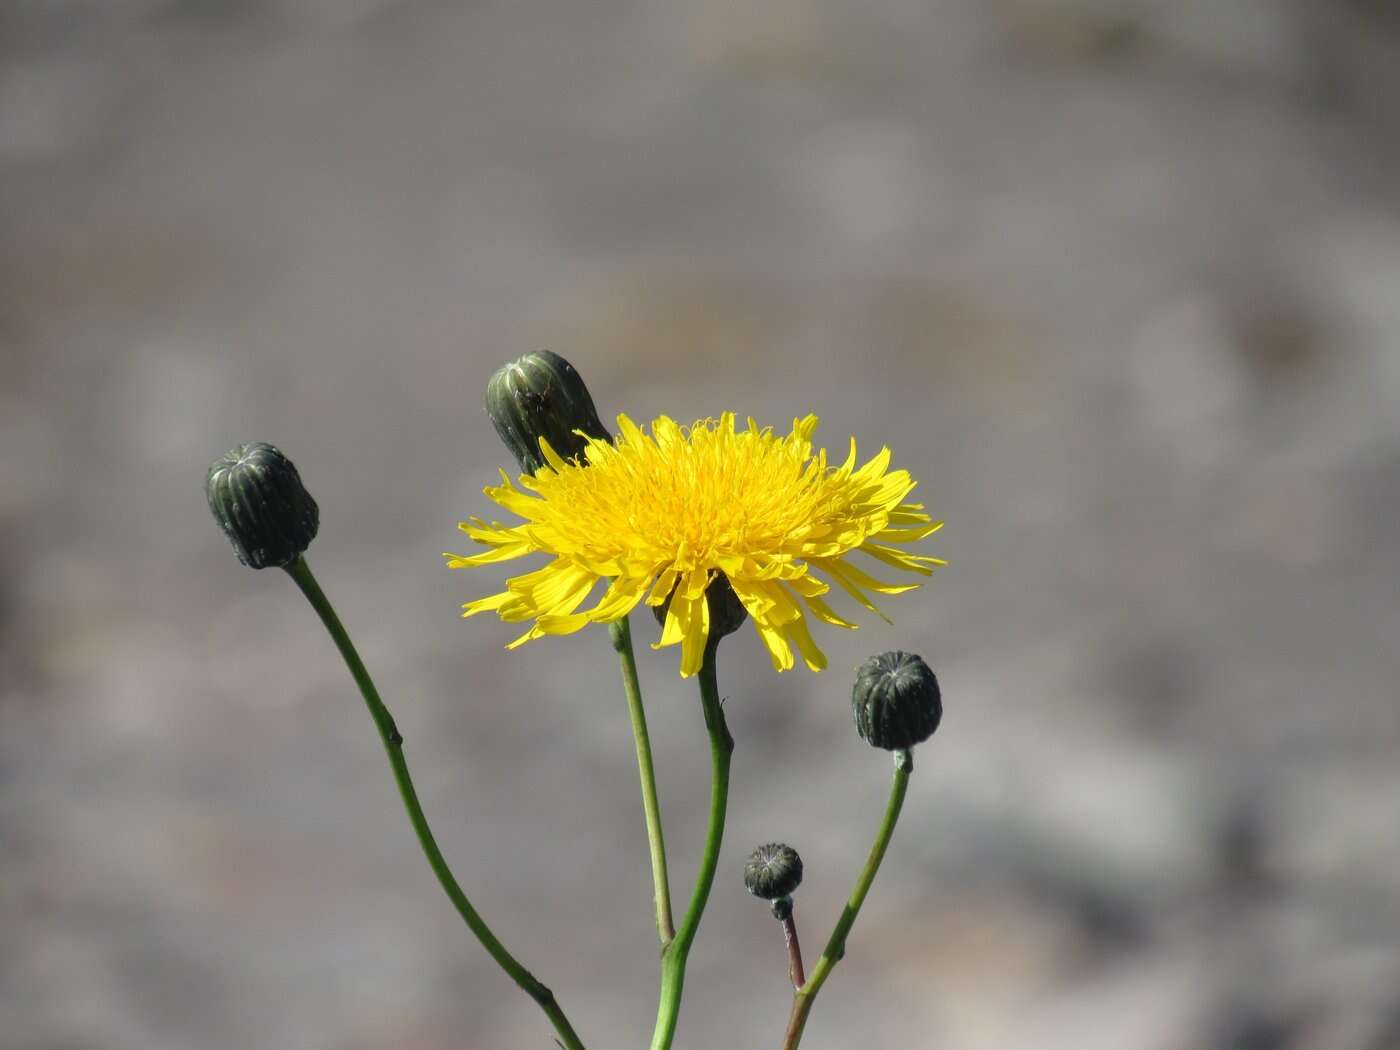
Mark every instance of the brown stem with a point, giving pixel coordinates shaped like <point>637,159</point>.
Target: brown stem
<point>795,970</point>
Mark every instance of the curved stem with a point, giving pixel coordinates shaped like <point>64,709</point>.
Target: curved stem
<point>621,633</point>
<point>805,996</point>
<point>674,957</point>
<point>393,747</point>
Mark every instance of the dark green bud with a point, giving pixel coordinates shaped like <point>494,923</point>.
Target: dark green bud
<point>538,396</point>
<point>782,909</point>
<point>258,500</point>
<point>727,612</point>
<point>773,872</point>
<point>896,701</point>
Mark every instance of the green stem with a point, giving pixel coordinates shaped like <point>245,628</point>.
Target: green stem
<point>805,996</point>
<point>621,633</point>
<point>674,957</point>
<point>393,746</point>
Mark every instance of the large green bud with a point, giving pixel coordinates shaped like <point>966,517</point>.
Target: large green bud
<point>538,396</point>
<point>896,701</point>
<point>727,612</point>
<point>259,501</point>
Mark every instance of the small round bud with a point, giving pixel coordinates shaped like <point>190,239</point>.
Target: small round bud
<point>782,909</point>
<point>896,701</point>
<point>773,871</point>
<point>727,612</point>
<point>258,500</point>
<point>538,396</point>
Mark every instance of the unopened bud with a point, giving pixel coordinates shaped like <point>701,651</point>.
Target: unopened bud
<point>896,701</point>
<point>538,396</point>
<point>259,501</point>
<point>773,872</point>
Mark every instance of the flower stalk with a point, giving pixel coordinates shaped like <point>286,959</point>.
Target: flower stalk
<point>621,633</point>
<point>805,996</point>
<point>794,947</point>
<point>675,956</point>
<point>300,572</point>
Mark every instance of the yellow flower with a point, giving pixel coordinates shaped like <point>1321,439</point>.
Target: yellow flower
<point>668,510</point>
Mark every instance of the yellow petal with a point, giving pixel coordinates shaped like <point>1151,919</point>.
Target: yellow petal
<point>502,553</point>
<point>864,579</point>
<point>493,534</point>
<point>836,570</point>
<point>529,636</point>
<point>910,535</point>
<point>490,604</point>
<point>664,582</point>
<point>672,629</point>
<point>630,432</point>
<point>563,624</point>
<point>555,461</point>
<point>619,599</point>
<point>776,645</point>
<point>825,613</point>
<point>901,559</point>
<point>697,632</point>
<point>797,632</point>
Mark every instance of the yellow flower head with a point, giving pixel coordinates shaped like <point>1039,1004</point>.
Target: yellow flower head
<point>665,511</point>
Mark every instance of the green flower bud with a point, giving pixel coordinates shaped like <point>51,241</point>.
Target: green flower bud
<point>896,701</point>
<point>727,612</point>
<point>538,396</point>
<point>258,500</point>
<point>773,872</point>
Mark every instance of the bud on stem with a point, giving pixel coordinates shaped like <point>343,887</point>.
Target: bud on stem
<point>896,701</point>
<point>258,499</point>
<point>539,396</point>
<point>773,872</point>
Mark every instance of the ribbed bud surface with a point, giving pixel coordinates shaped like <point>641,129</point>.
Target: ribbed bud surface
<point>257,497</point>
<point>896,701</point>
<point>538,396</point>
<point>773,871</point>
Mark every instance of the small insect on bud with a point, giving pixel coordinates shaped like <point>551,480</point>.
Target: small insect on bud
<point>538,396</point>
<point>773,872</point>
<point>259,501</point>
<point>727,612</point>
<point>896,701</point>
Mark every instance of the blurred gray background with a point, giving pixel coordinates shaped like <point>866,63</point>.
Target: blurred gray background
<point>1118,281</point>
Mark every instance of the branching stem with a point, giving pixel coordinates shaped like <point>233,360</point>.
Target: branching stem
<point>806,995</point>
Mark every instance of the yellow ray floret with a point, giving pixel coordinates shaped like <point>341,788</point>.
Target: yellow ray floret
<point>661,512</point>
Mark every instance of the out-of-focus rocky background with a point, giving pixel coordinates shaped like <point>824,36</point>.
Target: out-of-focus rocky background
<point>1119,281</point>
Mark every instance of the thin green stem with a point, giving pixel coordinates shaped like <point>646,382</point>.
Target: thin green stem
<point>393,747</point>
<point>676,954</point>
<point>621,633</point>
<point>805,996</point>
